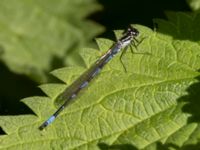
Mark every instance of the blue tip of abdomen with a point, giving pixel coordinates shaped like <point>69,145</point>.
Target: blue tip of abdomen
<point>46,123</point>
<point>50,120</point>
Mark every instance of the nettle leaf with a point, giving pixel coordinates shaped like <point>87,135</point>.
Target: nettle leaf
<point>39,36</point>
<point>153,106</point>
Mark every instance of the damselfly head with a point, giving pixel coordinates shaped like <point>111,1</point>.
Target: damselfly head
<point>132,31</point>
<point>128,36</point>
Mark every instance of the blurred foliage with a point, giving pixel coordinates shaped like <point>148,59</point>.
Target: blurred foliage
<point>37,37</point>
<point>194,4</point>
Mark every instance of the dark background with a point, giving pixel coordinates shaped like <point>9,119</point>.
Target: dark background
<point>117,14</point>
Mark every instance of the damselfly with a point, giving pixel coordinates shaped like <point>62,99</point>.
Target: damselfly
<point>128,38</point>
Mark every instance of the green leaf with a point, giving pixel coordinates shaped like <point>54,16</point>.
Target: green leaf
<point>38,36</point>
<point>153,106</point>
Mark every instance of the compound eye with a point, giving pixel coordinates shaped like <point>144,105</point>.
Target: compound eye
<point>136,33</point>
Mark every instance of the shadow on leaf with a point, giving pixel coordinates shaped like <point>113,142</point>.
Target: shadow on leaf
<point>192,102</point>
<point>104,146</point>
<point>160,146</point>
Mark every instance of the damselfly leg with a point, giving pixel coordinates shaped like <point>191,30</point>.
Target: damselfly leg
<point>134,43</point>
